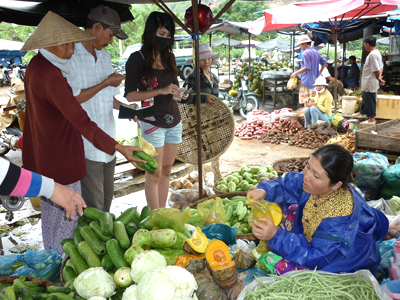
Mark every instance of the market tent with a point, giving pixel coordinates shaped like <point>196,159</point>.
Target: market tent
<point>384,41</point>
<point>275,43</point>
<point>10,50</point>
<point>30,13</point>
<point>225,42</point>
<point>246,44</point>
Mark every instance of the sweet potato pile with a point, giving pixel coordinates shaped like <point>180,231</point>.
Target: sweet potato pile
<point>252,130</point>
<point>311,139</point>
<point>293,165</point>
<point>275,137</point>
<point>348,141</point>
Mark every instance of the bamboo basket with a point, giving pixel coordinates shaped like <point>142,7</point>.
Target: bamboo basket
<point>218,131</point>
<point>61,270</point>
<point>42,282</point>
<point>278,163</point>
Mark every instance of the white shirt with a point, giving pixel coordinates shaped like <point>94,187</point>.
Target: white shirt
<point>84,72</point>
<point>373,63</point>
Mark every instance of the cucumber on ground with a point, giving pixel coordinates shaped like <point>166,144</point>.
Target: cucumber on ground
<point>106,224</point>
<point>121,235</point>
<point>61,296</point>
<point>68,273</point>
<point>92,213</point>
<point>94,241</point>
<point>144,213</point>
<point>107,263</point>
<point>128,215</point>
<point>78,261</point>
<point>163,238</point>
<point>148,158</point>
<point>116,254</point>
<point>77,237</point>
<point>95,226</point>
<point>82,221</point>
<point>131,228</point>
<point>89,255</point>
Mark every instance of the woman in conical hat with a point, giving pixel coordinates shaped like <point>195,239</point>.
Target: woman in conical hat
<point>55,122</point>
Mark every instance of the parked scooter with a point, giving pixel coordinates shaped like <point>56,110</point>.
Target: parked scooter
<point>5,75</point>
<point>241,99</point>
<point>19,71</point>
<point>12,118</point>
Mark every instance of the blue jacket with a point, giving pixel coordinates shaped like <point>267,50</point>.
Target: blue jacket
<point>340,244</point>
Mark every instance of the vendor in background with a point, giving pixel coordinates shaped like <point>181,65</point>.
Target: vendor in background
<point>310,68</point>
<point>334,229</point>
<point>320,106</point>
<point>353,77</point>
<point>208,85</point>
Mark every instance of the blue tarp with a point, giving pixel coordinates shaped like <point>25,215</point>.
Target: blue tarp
<point>7,55</point>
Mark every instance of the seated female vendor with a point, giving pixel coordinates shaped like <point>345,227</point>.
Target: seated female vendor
<point>332,227</point>
<point>320,106</point>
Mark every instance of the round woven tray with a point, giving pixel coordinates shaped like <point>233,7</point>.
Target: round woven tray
<point>218,131</point>
<point>278,163</point>
<point>42,282</point>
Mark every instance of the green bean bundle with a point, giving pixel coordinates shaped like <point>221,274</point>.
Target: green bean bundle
<point>311,285</point>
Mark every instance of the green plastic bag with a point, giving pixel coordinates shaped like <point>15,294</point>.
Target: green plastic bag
<point>171,218</point>
<point>211,211</point>
<point>269,260</point>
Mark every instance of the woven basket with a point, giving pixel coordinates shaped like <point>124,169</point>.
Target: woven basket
<point>42,282</point>
<point>218,131</point>
<point>61,270</point>
<point>36,204</point>
<point>277,164</point>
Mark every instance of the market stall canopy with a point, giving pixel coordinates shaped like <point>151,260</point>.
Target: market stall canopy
<point>275,43</point>
<point>76,11</point>
<point>247,43</point>
<point>225,42</point>
<point>310,12</point>
<point>384,41</point>
<point>226,26</point>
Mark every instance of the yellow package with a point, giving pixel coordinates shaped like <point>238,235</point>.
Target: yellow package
<point>147,147</point>
<point>264,209</point>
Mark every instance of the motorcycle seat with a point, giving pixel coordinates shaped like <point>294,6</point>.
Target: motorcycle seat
<point>224,88</point>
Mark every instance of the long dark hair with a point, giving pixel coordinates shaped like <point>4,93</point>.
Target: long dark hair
<point>150,46</point>
<point>337,163</point>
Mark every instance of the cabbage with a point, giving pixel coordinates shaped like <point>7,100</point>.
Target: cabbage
<point>130,293</point>
<point>94,282</point>
<point>184,280</point>
<point>156,285</point>
<point>394,204</point>
<point>145,262</point>
<point>97,298</point>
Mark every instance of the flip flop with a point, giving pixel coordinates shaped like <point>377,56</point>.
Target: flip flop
<point>369,123</point>
<point>358,115</point>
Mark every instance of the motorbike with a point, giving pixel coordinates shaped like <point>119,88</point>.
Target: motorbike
<point>241,99</point>
<point>19,71</point>
<point>5,75</point>
<point>12,118</point>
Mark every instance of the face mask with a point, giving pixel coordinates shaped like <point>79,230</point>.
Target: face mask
<point>321,91</point>
<point>162,43</point>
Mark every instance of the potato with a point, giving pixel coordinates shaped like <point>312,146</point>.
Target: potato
<point>176,184</point>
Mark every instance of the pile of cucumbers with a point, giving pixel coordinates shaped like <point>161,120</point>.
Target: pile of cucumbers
<point>100,240</point>
<point>31,290</point>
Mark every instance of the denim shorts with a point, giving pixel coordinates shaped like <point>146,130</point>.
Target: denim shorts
<point>158,136</point>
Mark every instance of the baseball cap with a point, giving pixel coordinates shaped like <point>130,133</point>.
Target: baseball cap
<point>107,16</point>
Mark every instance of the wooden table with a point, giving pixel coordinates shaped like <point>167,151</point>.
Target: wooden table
<point>273,83</point>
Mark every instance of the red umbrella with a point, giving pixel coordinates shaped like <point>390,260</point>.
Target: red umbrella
<point>309,12</point>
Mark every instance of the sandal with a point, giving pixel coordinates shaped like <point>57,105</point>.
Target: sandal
<point>369,123</point>
<point>358,115</point>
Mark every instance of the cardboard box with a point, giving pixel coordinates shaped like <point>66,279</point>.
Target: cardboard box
<point>387,107</point>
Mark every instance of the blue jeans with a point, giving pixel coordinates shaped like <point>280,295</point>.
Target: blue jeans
<point>313,114</point>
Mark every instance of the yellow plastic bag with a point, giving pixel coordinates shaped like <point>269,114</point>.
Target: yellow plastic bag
<point>147,147</point>
<point>292,83</point>
<point>211,211</point>
<point>264,209</point>
<point>336,120</point>
<point>169,218</point>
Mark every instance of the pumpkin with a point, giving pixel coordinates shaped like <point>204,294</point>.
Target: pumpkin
<point>208,289</point>
<point>198,242</point>
<point>192,263</point>
<point>243,260</point>
<point>222,267</point>
<point>234,292</point>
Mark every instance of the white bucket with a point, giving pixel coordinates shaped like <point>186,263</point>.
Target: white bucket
<point>348,106</point>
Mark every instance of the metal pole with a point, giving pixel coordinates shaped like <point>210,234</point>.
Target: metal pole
<point>343,56</point>
<point>229,56</point>
<point>196,38</point>
<point>249,54</point>
<point>335,71</point>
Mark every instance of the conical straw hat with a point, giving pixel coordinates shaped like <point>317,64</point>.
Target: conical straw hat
<point>54,30</point>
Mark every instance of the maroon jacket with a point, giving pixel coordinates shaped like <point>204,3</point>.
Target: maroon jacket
<point>54,122</point>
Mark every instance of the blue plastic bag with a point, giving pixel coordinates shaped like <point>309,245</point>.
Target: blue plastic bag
<point>369,168</point>
<point>45,264</point>
<point>221,232</point>
<point>390,182</point>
